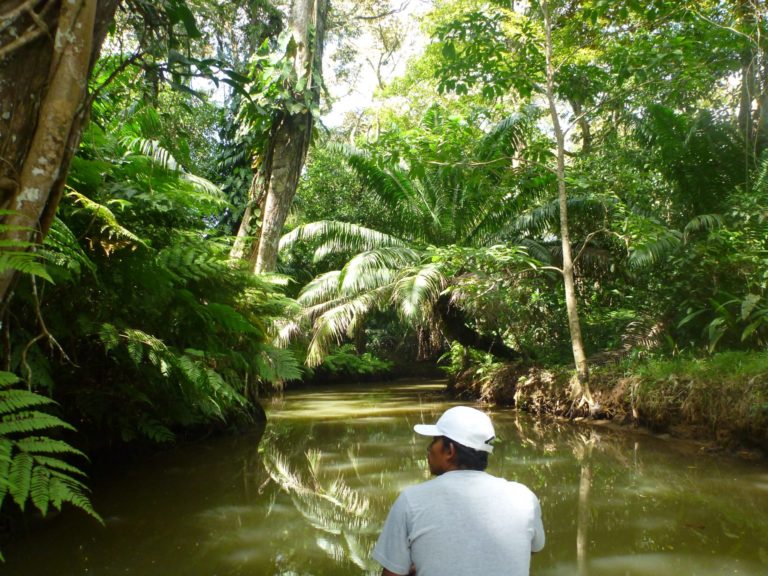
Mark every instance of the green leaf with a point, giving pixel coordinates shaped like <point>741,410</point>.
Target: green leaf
<point>20,478</point>
<point>39,488</point>
<point>749,330</point>
<point>18,400</point>
<point>34,421</point>
<point>41,444</point>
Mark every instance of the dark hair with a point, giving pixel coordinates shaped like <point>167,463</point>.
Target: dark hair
<point>467,458</point>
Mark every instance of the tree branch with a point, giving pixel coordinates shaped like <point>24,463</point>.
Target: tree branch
<point>32,33</point>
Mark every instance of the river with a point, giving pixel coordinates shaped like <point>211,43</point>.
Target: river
<point>311,496</point>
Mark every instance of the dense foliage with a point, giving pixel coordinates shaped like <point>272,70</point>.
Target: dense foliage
<point>426,227</point>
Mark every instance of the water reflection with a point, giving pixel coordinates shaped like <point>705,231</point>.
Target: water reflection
<point>311,497</point>
<point>339,513</point>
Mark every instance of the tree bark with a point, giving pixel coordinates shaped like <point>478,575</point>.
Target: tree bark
<point>290,150</point>
<point>287,148</point>
<point>47,51</point>
<point>571,304</point>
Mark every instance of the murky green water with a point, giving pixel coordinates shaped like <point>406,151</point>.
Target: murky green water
<point>310,499</point>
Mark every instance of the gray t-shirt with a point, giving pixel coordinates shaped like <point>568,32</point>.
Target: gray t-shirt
<point>461,523</point>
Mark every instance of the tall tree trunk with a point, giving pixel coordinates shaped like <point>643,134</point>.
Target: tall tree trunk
<point>287,147</point>
<point>579,357</point>
<point>289,152</point>
<point>747,91</point>
<point>45,60</point>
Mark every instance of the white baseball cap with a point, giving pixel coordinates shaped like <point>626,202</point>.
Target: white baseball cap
<point>467,426</point>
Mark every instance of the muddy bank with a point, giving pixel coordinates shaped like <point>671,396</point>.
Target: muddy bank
<point>721,403</point>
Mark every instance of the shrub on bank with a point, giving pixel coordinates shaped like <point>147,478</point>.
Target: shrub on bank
<point>722,398</point>
<point>726,395</point>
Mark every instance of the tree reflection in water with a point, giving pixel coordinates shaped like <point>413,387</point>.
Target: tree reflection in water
<point>582,449</point>
<point>338,511</point>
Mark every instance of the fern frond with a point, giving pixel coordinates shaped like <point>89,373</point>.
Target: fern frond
<point>277,365</point>
<point>190,261</point>
<point>20,478</point>
<point>6,451</point>
<point>15,400</point>
<point>57,464</point>
<point>24,262</point>
<point>41,444</point>
<point>63,489</point>
<point>62,249</point>
<point>109,337</point>
<point>154,430</point>
<point>109,222</point>
<point>230,319</point>
<point>30,421</point>
<point>39,489</point>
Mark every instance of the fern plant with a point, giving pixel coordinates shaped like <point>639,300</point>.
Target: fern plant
<point>17,255</point>
<point>32,463</point>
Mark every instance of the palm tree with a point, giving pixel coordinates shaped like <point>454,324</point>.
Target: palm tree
<point>441,212</point>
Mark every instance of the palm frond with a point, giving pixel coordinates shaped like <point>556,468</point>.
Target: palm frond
<point>375,267</point>
<point>701,222</point>
<point>338,237</point>
<point>205,185</point>
<point>505,138</point>
<point>653,249</point>
<point>415,291</point>
<point>322,288</point>
<point>391,185</point>
<point>330,327</point>
<point>153,150</point>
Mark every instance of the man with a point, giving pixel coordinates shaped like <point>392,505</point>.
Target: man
<point>464,522</point>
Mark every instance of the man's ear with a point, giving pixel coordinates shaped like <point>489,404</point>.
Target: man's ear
<point>450,449</point>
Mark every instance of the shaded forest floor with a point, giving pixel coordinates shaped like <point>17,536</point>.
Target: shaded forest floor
<point>721,401</point>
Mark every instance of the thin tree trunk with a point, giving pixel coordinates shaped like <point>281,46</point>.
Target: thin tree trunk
<point>43,85</point>
<point>579,357</point>
<point>292,134</point>
<point>748,77</point>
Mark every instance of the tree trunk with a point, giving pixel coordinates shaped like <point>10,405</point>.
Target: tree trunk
<point>287,147</point>
<point>290,150</point>
<point>579,357</point>
<point>45,60</point>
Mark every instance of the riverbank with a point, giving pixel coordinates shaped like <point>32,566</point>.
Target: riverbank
<point>721,400</point>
